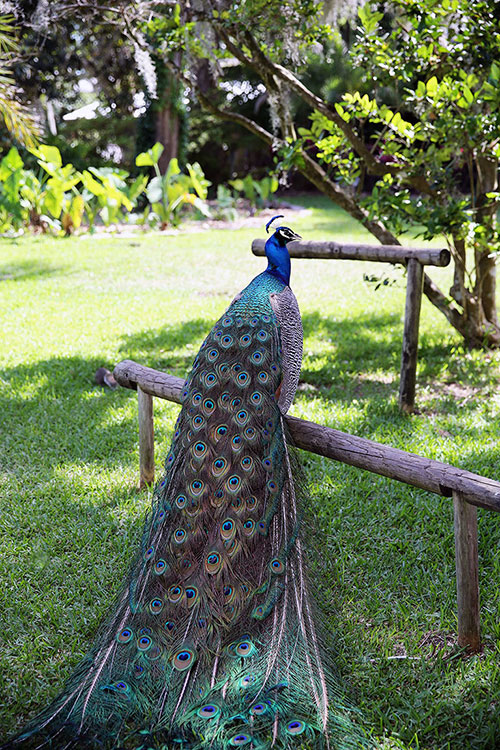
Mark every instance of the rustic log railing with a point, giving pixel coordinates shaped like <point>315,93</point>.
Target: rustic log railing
<point>467,489</point>
<point>414,258</point>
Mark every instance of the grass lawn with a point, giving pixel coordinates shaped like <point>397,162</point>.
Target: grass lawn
<point>71,514</point>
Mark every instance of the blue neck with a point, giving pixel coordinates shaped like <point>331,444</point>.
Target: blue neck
<point>278,260</point>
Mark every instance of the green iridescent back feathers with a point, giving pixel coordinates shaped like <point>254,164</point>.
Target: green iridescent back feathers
<point>212,642</point>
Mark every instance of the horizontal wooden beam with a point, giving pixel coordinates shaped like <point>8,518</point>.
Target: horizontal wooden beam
<point>428,256</point>
<point>409,468</point>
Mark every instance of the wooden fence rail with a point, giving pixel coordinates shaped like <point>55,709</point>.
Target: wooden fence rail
<point>467,489</point>
<point>414,258</point>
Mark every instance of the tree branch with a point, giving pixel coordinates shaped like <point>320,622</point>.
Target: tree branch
<point>315,173</point>
<point>264,66</point>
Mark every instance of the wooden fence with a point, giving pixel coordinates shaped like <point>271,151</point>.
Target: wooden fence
<point>414,258</point>
<point>468,490</point>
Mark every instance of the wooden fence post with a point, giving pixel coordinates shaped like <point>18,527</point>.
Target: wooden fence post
<point>466,560</point>
<point>414,286</point>
<point>146,438</point>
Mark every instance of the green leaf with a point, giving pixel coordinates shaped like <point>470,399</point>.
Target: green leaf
<point>421,89</point>
<point>12,160</point>
<point>154,190</point>
<point>341,111</point>
<point>144,160</point>
<point>198,180</point>
<point>76,210</point>
<point>432,85</point>
<point>172,169</point>
<point>53,200</point>
<point>150,157</point>
<point>137,187</point>
<point>49,154</point>
<point>201,206</point>
<point>92,185</point>
<point>468,95</point>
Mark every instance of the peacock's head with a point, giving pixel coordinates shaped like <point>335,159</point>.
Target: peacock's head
<point>282,235</point>
<point>276,251</point>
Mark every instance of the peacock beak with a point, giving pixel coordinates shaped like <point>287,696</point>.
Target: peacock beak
<point>295,237</point>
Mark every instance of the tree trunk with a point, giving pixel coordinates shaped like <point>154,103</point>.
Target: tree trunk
<point>167,131</point>
<point>485,286</point>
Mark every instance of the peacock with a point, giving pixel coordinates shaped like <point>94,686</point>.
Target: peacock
<point>212,642</point>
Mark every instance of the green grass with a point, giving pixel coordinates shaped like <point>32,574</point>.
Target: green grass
<point>71,513</point>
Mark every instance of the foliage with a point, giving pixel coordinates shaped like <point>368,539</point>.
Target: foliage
<point>16,117</point>
<point>225,205</point>
<point>256,191</point>
<point>439,144</point>
<point>169,192</point>
<point>59,198</point>
<point>420,127</point>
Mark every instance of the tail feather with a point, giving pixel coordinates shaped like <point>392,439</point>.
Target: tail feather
<point>212,644</point>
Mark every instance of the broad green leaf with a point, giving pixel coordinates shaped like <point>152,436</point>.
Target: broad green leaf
<point>53,200</point>
<point>421,89</point>
<point>156,151</point>
<point>76,210</point>
<point>432,85</point>
<point>12,160</point>
<point>144,160</point>
<point>92,185</point>
<point>201,206</point>
<point>237,184</point>
<point>172,170</point>
<point>49,154</point>
<point>137,187</point>
<point>154,190</point>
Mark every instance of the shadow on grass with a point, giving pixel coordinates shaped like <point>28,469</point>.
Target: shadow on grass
<point>52,413</point>
<point>171,348</point>
<point>26,270</point>
<point>371,342</point>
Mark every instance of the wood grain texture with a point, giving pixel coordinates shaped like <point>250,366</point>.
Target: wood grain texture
<point>146,438</point>
<point>409,353</point>
<point>409,468</point>
<point>467,572</point>
<point>427,256</point>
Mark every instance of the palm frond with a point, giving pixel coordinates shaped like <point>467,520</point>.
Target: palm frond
<point>16,116</point>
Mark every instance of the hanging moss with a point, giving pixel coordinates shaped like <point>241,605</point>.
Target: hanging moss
<point>170,93</point>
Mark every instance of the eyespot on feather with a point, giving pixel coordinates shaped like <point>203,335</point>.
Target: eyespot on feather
<point>244,649</point>
<point>144,643</point>
<point>192,596</point>
<point>175,594</point>
<point>240,739</point>
<point>208,712</point>
<point>155,606</point>
<point>296,726</point>
<point>183,659</point>
<point>276,566</point>
<point>227,528</point>
<point>213,562</point>
<point>233,484</point>
<point>125,635</point>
